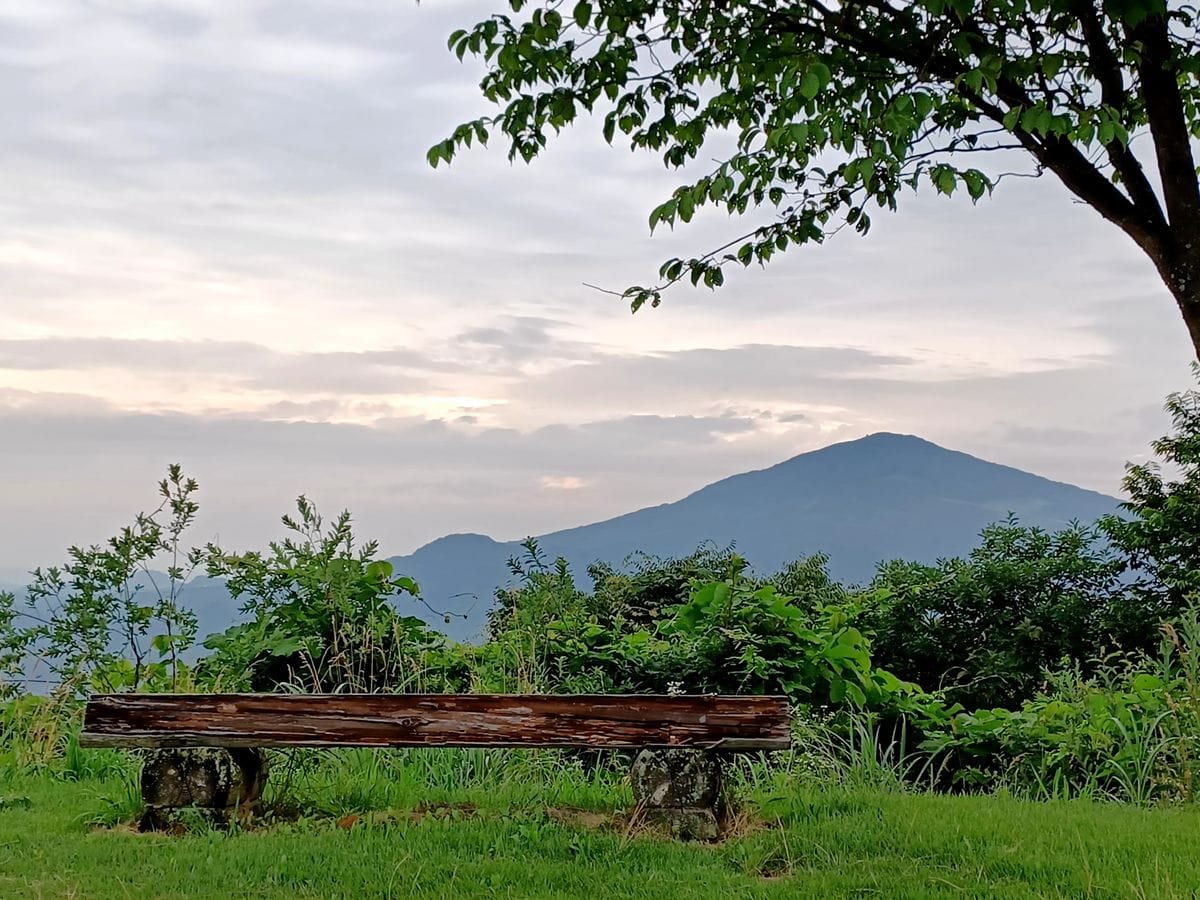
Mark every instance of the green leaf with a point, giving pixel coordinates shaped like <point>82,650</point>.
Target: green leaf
<point>284,646</point>
<point>664,212</point>
<point>443,151</point>
<point>855,693</point>
<point>973,80</point>
<point>686,206</point>
<point>837,689</point>
<point>1145,683</point>
<point>582,14</point>
<point>407,585</point>
<point>379,570</point>
<point>976,183</point>
<point>810,85</point>
<point>1037,119</point>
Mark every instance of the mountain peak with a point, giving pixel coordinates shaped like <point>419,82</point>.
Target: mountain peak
<point>882,440</point>
<point>879,497</point>
<point>465,540</point>
<point>896,437</point>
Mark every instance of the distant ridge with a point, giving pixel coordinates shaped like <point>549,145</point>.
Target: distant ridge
<point>883,496</point>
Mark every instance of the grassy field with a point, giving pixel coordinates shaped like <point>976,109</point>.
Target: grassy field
<point>494,829</point>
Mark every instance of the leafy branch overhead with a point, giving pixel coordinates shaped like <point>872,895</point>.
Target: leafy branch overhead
<point>820,113</point>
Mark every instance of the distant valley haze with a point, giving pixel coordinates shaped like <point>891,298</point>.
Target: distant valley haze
<point>884,496</point>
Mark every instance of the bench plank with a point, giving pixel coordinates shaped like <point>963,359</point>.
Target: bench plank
<point>436,720</point>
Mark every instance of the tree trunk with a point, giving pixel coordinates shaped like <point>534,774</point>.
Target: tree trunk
<point>1191,315</point>
<point>1181,272</point>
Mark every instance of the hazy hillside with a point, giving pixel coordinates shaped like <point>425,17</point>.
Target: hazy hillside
<point>880,497</point>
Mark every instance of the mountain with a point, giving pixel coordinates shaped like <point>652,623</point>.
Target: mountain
<point>884,496</point>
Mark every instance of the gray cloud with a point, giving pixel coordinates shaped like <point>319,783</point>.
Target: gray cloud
<point>229,199</point>
<point>93,353</point>
<point>250,365</point>
<point>503,348</point>
<point>408,480</point>
<point>756,370</point>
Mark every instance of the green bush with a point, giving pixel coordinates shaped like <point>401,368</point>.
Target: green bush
<point>985,628</point>
<point>104,620</point>
<point>734,635</point>
<point>322,617</point>
<point>645,586</point>
<point>1131,731</point>
<point>1160,536</point>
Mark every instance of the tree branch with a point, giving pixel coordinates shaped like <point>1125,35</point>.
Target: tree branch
<point>1107,69</point>
<point>1057,154</point>
<point>1168,124</point>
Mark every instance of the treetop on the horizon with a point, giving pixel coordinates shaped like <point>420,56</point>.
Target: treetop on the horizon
<point>821,112</point>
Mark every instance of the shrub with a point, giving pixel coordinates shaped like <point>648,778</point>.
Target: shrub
<point>986,627</point>
<point>322,617</point>
<point>13,648</point>
<point>645,586</point>
<point>734,635</point>
<point>110,618</point>
<point>1161,537</point>
<point>545,634</point>
<point>1130,731</point>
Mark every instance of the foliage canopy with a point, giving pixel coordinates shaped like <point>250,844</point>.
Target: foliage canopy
<point>819,113</point>
<point>1161,536</point>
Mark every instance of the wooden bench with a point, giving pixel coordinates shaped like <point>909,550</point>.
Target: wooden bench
<point>676,777</point>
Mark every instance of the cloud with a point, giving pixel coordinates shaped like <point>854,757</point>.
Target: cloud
<point>84,471</point>
<point>563,482</point>
<point>82,354</point>
<point>220,242</point>
<point>771,371</point>
<point>508,347</point>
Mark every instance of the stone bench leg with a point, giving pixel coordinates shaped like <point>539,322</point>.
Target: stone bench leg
<point>218,782</point>
<point>681,789</point>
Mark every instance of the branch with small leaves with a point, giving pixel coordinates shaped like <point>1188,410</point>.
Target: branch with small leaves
<point>840,108</point>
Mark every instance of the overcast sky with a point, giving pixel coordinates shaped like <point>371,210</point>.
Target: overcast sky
<point>220,244</point>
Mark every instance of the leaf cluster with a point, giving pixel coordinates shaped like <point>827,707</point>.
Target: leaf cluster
<point>321,613</point>
<point>110,617</point>
<point>808,117</point>
<point>1160,533</point>
<point>986,627</point>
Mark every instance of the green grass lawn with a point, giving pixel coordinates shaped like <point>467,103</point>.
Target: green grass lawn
<point>816,842</point>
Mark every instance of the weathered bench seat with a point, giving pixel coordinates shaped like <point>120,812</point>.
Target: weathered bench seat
<point>678,737</point>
